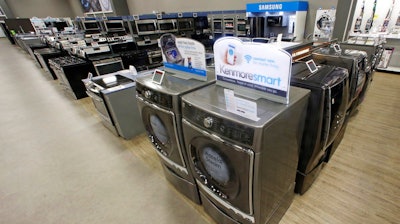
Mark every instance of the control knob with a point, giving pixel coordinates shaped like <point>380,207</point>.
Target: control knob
<point>208,122</point>
<point>148,94</point>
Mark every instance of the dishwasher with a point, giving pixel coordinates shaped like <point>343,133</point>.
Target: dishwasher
<point>114,97</point>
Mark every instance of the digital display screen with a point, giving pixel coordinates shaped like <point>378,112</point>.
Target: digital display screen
<point>215,165</point>
<point>311,66</point>
<point>158,76</point>
<point>336,47</point>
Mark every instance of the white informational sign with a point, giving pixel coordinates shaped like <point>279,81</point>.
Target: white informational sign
<point>264,68</point>
<point>239,106</point>
<point>184,55</point>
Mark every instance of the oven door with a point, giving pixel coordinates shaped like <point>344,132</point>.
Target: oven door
<point>161,127</point>
<point>146,27</point>
<point>167,26</point>
<point>336,100</point>
<point>223,170</point>
<point>107,66</point>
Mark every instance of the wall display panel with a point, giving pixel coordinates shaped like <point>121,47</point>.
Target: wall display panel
<point>372,16</point>
<point>90,6</point>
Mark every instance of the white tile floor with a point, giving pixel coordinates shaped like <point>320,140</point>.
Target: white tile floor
<point>59,164</point>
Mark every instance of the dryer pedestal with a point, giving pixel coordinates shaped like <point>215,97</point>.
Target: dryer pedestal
<point>188,189</point>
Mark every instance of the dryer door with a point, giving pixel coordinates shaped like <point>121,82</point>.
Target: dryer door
<point>222,169</point>
<point>160,124</point>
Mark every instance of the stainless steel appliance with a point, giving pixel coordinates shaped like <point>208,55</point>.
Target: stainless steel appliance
<point>185,26</point>
<point>167,26</point>
<point>245,169</point>
<point>160,109</point>
<point>146,27</point>
<point>104,61</point>
<point>70,71</point>
<point>326,114</point>
<point>108,65</point>
<point>113,96</point>
<point>241,27</point>
<point>112,26</point>
<point>154,57</point>
<point>91,26</point>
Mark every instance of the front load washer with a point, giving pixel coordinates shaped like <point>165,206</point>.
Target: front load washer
<point>326,114</point>
<point>160,108</point>
<point>245,168</point>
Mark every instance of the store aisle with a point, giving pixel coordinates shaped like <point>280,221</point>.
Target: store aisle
<point>58,164</point>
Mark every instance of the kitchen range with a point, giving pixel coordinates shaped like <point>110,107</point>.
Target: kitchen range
<point>114,97</point>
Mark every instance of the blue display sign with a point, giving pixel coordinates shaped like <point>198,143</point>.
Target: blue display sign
<point>277,6</point>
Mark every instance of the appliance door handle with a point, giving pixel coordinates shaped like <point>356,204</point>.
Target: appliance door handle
<point>93,96</point>
<point>154,106</point>
<point>217,138</point>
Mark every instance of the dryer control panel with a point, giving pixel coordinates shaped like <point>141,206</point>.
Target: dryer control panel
<point>161,99</point>
<point>218,125</point>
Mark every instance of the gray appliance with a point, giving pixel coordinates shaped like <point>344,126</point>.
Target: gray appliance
<point>160,108</point>
<point>245,169</point>
<point>113,96</point>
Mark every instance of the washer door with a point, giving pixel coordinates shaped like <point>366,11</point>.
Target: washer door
<point>225,170</point>
<point>160,124</point>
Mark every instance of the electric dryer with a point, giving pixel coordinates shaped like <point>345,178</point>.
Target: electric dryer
<point>160,108</point>
<point>354,61</point>
<point>245,168</point>
<point>326,114</point>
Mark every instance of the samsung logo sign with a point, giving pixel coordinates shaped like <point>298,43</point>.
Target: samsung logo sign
<point>270,7</point>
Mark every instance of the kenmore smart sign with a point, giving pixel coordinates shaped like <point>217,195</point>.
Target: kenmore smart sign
<point>262,67</point>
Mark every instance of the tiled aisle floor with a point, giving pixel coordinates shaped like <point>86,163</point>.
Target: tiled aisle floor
<point>59,164</point>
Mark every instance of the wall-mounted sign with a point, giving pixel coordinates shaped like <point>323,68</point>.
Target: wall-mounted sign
<point>90,6</point>
<point>183,56</point>
<point>277,6</point>
<point>264,69</point>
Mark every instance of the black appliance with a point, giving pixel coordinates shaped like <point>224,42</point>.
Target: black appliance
<point>44,54</point>
<point>70,71</point>
<point>245,168</point>
<point>160,108</point>
<point>326,114</point>
<point>137,58</point>
<point>277,21</point>
<point>354,61</point>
